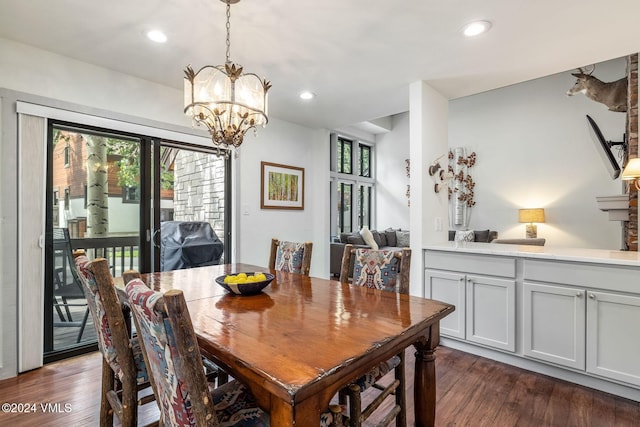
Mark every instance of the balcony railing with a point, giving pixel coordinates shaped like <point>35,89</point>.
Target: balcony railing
<point>121,252</point>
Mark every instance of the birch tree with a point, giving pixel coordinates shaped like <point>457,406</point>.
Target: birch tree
<point>97,187</point>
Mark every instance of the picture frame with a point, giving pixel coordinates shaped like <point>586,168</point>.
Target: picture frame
<point>282,186</point>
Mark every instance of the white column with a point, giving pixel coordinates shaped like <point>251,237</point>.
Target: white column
<point>428,135</point>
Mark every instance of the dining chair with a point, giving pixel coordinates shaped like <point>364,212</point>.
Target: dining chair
<point>124,373</point>
<point>290,256</point>
<point>67,289</point>
<point>387,270</point>
<point>171,350</point>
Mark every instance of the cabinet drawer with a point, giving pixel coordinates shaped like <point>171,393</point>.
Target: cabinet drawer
<point>488,265</point>
<point>610,277</point>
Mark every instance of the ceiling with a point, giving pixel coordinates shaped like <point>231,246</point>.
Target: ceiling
<point>358,56</point>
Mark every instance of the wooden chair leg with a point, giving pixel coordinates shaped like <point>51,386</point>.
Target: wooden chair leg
<point>129,403</point>
<point>84,323</point>
<point>401,393</point>
<point>108,382</point>
<point>342,397</point>
<point>336,411</point>
<point>355,406</point>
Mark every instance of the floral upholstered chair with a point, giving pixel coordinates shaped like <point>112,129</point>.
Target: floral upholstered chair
<point>385,270</point>
<point>290,256</point>
<point>172,353</point>
<point>124,372</point>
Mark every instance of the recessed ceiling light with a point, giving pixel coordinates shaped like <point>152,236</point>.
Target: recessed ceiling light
<point>157,36</point>
<point>306,95</point>
<point>476,28</point>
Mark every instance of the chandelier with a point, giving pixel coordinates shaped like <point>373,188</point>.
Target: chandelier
<point>226,100</point>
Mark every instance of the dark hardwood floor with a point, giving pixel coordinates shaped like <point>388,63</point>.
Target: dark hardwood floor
<point>471,391</point>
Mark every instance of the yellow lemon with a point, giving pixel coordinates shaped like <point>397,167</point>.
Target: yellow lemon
<point>242,276</point>
<point>261,277</point>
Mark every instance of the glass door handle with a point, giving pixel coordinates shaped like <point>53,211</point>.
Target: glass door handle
<point>154,239</point>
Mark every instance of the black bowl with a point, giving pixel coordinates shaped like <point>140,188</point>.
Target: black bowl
<point>251,288</point>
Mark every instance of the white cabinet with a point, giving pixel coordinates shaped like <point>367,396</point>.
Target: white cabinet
<point>571,313</point>
<point>553,324</point>
<point>450,288</point>
<point>490,311</point>
<point>485,307</point>
<point>613,336</point>
<point>583,329</point>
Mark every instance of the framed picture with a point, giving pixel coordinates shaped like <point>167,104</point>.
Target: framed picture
<point>282,186</point>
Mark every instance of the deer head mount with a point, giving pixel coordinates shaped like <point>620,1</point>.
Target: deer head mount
<point>611,94</point>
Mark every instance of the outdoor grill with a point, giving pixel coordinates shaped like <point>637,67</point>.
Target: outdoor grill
<point>188,245</point>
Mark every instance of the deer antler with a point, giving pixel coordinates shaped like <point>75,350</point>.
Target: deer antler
<point>584,70</point>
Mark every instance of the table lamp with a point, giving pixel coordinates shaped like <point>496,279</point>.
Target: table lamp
<point>632,172</point>
<point>531,216</point>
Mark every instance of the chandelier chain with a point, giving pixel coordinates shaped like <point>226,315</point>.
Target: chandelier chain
<point>228,32</point>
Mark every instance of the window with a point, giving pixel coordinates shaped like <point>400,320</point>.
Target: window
<point>130,194</point>
<point>364,156</point>
<point>67,197</point>
<point>66,156</point>
<point>344,207</point>
<point>55,198</point>
<point>344,155</point>
<point>364,206</point>
<point>352,183</point>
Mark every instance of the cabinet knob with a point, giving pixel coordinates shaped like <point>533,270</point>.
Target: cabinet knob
<point>579,294</point>
<point>592,296</point>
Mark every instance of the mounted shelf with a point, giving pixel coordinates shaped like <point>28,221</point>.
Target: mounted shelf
<point>617,206</point>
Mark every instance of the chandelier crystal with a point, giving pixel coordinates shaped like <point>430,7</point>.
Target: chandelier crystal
<point>226,100</point>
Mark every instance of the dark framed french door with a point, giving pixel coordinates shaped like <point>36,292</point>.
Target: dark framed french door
<point>108,192</point>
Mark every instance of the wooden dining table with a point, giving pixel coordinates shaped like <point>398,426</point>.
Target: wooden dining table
<point>302,339</point>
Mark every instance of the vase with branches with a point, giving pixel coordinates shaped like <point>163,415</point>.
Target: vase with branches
<point>461,190</point>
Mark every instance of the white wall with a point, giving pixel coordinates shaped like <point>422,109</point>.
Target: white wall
<point>534,150</point>
<point>288,144</point>
<point>391,150</point>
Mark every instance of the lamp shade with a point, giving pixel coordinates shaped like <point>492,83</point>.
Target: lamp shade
<point>632,170</point>
<point>531,215</point>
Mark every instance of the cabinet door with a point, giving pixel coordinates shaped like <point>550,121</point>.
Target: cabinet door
<point>554,324</point>
<point>613,336</point>
<point>491,318</point>
<point>449,288</point>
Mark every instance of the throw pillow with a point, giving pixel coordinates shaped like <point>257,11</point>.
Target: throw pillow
<point>368,238</point>
<point>402,238</point>
<point>378,238</point>
<point>391,237</point>
<point>355,239</point>
<point>481,236</point>
<point>464,236</point>
<point>383,238</point>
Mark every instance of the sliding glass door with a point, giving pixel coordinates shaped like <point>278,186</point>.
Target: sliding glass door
<point>94,203</point>
<point>192,228</point>
<point>115,195</point>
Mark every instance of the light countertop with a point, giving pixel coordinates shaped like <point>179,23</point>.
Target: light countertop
<point>602,256</point>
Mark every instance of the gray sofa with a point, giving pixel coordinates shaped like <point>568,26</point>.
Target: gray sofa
<point>387,239</point>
